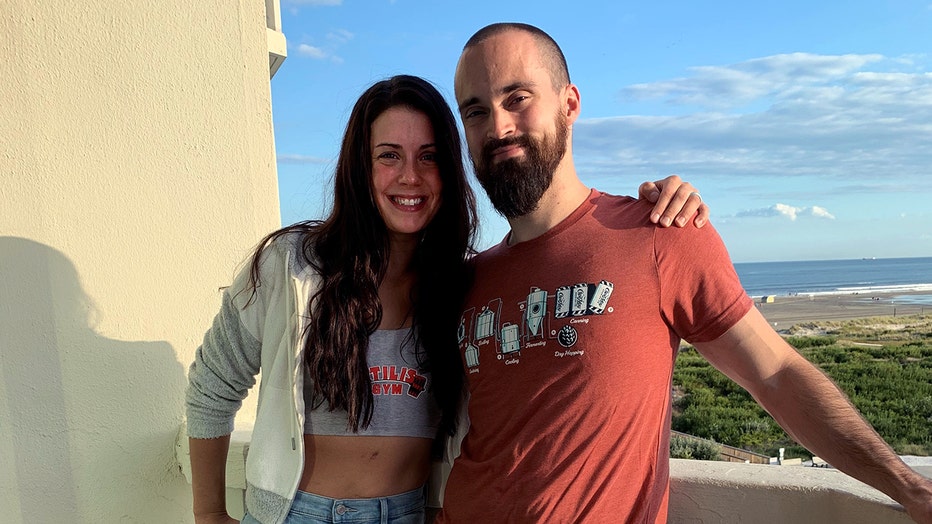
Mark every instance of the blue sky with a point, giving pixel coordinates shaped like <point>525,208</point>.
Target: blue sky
<point>807,126</point>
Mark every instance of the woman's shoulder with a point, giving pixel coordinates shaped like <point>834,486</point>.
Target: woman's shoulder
<point>287,241</point>
<point>296,247</point>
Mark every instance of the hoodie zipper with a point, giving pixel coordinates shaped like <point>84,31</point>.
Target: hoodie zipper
<point>295,322</point>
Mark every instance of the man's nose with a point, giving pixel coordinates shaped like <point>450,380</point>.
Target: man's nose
<point>502,124</point>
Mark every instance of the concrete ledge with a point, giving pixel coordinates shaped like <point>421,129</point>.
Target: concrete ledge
<point>716,492</point>
<point>701,492</point>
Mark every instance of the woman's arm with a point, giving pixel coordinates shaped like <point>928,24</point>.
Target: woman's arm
<point>208,479</point>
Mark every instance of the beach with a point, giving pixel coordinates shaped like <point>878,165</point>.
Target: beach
<point>785,311</point>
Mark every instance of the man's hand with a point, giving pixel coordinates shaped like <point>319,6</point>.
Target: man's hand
<point>675,201</point>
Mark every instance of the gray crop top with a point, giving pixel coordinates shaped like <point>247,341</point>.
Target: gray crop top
<point>402,404</point>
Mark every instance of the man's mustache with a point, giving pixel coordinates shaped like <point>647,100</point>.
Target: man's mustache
<point>494,143</point>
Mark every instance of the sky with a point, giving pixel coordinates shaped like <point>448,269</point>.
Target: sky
<point>806,126</point>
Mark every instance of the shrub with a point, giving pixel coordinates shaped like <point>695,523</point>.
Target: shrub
<point>890,385</point>
<point>687,448</point>
<point>810,342</point>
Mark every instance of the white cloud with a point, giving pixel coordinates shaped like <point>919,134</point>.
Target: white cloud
<point>301,159</point>
<point>725,86</point>
<point>313,52</point>
<point>787,211</point>
<point>856,119</point>
<point>335,39</point>
<point>315,2</point>
<point>340,36</point>
<point>821,212</point>
<point>318,53</point>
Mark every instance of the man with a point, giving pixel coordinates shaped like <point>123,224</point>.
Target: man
<point>571,330</point>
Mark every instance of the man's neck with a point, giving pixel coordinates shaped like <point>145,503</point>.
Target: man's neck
<point>565,194</point>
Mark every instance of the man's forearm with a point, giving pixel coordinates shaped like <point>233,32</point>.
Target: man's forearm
<point>809,406</point>
<point>818,415</point>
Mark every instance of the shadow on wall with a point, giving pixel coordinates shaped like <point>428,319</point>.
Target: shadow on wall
<point>90,421</point>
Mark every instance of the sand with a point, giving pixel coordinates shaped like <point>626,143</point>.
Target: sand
<point>785,311</point>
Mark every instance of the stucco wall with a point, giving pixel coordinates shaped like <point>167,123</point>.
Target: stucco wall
<point>137,168</point>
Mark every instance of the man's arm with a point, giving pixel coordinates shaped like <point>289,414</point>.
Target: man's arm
<point>811,408</point>
<point>675,201</point>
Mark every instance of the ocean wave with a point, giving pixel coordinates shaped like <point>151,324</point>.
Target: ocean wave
<point>858,290</point>
<point>900,288</point>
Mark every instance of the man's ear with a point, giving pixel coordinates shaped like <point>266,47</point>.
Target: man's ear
<point>571,103</point>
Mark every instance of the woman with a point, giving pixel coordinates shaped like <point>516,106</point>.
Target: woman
<point>352,321</point>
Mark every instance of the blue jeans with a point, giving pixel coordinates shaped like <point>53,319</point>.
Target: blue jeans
<point>308,508</point>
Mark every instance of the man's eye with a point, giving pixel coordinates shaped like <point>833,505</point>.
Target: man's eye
<point>472,113</point>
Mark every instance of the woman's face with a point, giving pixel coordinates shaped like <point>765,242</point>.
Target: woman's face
<point>406,181</point>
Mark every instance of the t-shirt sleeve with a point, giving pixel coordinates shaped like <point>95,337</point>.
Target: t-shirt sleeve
<point>701,296</point>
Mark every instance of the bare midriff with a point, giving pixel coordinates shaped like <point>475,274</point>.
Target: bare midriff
<point>364,467</point>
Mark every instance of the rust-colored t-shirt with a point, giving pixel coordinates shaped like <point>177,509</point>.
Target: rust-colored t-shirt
<point>569,342</point>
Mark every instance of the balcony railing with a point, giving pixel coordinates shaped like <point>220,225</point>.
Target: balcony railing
<point>278,48</point>
<point>700,491</point>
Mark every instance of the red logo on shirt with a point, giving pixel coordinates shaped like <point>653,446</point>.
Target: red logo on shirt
<point>391,380</point>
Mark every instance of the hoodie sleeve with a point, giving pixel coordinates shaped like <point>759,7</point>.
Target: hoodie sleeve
<point>227,362</point>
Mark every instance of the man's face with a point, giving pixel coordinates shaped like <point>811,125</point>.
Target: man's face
<point>515,121</point>
<point>515,184</point>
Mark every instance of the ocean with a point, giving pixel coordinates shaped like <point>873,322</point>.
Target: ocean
<point>878,275</point>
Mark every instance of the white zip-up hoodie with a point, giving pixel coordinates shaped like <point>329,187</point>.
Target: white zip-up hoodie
<point>249,333</point>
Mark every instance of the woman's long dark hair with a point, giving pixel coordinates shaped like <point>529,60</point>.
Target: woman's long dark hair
<point>349,249</point>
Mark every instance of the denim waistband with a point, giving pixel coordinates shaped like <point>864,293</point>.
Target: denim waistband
<point>402,508</point>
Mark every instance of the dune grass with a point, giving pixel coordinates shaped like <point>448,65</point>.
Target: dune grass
<point>884,364</point>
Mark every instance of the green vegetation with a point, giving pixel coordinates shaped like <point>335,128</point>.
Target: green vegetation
<point>686,448</point>
<point>883,364</point>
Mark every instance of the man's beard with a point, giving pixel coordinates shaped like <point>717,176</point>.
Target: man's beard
<point>516,185</point>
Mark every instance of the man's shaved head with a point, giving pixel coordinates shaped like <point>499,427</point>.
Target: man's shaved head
<point>550,52</point>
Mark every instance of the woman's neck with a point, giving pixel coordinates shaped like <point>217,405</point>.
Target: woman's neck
<point>400,254</point>
<point>396,288</point>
